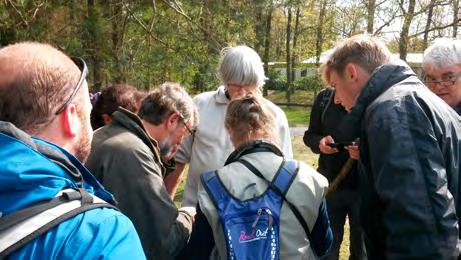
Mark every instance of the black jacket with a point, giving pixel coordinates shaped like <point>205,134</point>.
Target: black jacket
<point>326,118</point>
<point>409,163</point>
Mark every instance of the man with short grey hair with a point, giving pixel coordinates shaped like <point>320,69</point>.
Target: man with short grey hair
<point>442,69</point>
<point>410,147</point>
<point>126,158</point>
<point>242,73</point>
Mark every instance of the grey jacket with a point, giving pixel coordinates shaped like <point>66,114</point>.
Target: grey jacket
<point>126,160</point>
<point>306,193</point>
<point>410,152</point>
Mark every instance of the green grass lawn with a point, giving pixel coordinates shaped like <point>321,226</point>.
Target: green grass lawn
<point>296,115</point>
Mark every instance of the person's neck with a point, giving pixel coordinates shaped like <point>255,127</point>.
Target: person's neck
<point>155,131</point>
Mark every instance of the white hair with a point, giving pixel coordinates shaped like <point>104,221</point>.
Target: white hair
<point>443,52</point>
<point>241,65</point>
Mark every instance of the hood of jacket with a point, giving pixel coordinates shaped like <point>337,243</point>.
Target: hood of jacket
<point>33,170</point>
<point>380,80</point>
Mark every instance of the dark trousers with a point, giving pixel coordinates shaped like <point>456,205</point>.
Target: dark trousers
<point>342,203</point>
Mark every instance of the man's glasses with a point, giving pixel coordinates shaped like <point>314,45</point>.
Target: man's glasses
<point>446,81</point>
<point>84,69</point>
<point>191,131</point>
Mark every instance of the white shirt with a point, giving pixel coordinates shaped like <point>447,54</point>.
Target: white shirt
<point>211,146</point>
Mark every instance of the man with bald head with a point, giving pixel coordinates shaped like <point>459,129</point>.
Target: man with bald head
<point>45,132</point>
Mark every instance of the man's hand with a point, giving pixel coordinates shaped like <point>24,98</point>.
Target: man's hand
<point>353,149</point>
<point>324,148</point>
<point>191,211</point>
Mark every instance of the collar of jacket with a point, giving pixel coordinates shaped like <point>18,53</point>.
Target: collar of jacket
<point>32,169</point>
<point>220,96</point>
<point>133,123</point>
<point>254,146</point>
<point>380,80</point>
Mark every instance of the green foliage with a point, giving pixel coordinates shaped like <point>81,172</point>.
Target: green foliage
<point>310,82</point>
<point>276,81</point>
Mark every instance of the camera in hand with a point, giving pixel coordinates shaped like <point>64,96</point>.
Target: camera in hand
<point>339,144</point>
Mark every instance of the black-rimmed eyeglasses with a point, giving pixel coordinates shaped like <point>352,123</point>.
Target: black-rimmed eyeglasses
<point>84,69</point>
<point>191,131</point>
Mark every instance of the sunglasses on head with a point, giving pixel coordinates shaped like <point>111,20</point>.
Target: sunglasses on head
<point>84,71</point>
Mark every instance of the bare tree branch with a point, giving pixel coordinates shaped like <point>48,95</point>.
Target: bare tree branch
<point>19,13</point>
<point>436,28</point>
<point>217,45</point>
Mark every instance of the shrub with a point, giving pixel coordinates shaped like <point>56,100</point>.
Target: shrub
<point>310,82</point>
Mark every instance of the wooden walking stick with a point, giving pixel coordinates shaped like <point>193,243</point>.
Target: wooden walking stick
<point>347,167</point>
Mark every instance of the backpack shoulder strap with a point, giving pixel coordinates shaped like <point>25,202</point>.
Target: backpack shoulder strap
<point>214,187</point>
<point>326,101</point>
<point>283,180</point>
<point>23,226</point>
<point>285,176</point>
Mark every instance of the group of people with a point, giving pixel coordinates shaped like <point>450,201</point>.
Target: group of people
<point>389,149</point>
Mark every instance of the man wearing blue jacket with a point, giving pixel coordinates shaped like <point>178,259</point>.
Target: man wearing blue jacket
<point>44,134</point>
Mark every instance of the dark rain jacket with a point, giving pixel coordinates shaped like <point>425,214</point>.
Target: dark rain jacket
<point>409,162</point>
<point>126,160</point>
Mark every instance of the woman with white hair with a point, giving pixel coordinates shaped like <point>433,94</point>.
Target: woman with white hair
<point>442,69</point>
<point>260,205</point>
<point>241,72</point>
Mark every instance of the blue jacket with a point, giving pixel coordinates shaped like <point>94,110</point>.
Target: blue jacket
<point>27,176</point>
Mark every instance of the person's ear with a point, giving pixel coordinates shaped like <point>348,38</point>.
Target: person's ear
<point>172,121</point>
<point>351,72</point>
<point>70,121</point>
<point>106,118</point>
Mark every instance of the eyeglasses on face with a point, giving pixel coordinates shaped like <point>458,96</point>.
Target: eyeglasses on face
<point>84,71</point>
<point>191,131</point>
<point>445,81</point>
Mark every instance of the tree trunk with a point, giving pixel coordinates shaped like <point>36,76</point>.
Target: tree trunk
<point>267,45</point>
<point>259,26</point>
<point>455,17</point>
<point>92,46</point>
<point>288,55</point>
<point>403,41</point>
<point>319,40</point>
<point>118,27</point>
<point>430,13</point>
<point>371,7</point>
<point>295,39</point>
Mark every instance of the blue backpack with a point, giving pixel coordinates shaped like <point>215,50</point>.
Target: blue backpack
<point>252,227</point>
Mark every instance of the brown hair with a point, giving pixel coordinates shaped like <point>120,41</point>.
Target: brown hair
<point>166,99</point>
<point>111,98</point>
<point>250,119</point>
<point>36,80</point>
<point>364,50</point>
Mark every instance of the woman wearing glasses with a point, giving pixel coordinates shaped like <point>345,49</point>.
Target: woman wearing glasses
<point>442,67</point>
<point>251,174</point>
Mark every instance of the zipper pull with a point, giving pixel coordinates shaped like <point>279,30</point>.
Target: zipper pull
<point>270,217</point>
<point>258,214</point>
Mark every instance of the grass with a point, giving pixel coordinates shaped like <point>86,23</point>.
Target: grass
<point>302,153</point>
<point>304,97</point>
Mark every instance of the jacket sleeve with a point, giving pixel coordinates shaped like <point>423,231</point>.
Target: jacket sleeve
<point>134,177</point>
<point>321,236</point>
<point>113,238</point>
<point>314,132</point>
<point>407,171</point>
